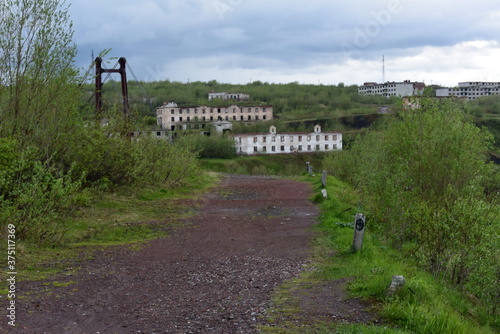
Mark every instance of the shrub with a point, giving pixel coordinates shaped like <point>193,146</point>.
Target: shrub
<point>33,193</point>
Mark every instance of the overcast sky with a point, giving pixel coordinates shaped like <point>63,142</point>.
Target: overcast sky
<point>280,41</point>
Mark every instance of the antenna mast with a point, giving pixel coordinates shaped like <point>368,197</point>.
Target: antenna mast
<point>383,69</point>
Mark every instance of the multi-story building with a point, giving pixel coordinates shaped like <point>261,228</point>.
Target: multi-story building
<point>172,117</point>
<point>470,90</point>
<point>228,96</point>
<point>389,89</point>
<point>287,142</point>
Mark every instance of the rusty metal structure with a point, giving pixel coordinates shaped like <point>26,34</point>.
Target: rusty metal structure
<point>99,70</point>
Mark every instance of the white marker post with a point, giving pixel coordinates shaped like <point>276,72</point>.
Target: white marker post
<point>359,231</point>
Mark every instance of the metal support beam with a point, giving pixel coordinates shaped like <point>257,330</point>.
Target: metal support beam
<point>98,85</point>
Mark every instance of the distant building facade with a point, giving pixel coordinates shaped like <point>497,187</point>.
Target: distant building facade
<point>388,89</point>
<point>228,96</point>
<point>287,142</point>
<point>172,117</point>
<point>470,90</point>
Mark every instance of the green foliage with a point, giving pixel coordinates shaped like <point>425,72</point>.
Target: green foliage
<point>161,163</point>
<point>426,304</point>
<point>32,194</point>
<point>428,171</point>
<point>271,164</point>
<point>221,147</point>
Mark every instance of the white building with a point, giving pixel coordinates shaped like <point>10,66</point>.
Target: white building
<point>228,96</point>
<point>289,142</point>
<point>389,89</point>
<point>470,90</point>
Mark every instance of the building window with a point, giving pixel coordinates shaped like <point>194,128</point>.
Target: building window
<point>180,119</point>
<point>173,119</point>
<point>273,139</point>
<point>291,139</point>
<point>326,137</point>
<point>172,111</point>
<point>249,117</point>
<point>300,138</point>
<point>211,118</point>
<point>317,137</point>
<point>309,138</point>
<point>282,148</point>
<point>241,117</point>
<point>317,147</point>
<point>218,110</point>
<point>264,139</point>
<point>291,148</point>
<point>308,147</point>
<point>180,112</point>
<point>300,147</point>
<point>227,118</point>
<point>282,138</point>
<point>334,137</point>
<point>256,117</point>
<point>188,118</point>
<point>263,116</point>
<point>255,148</point>
<point>254,139</point>
<point>326,146</point>
<point>204,118</point>
<point>234,118</point>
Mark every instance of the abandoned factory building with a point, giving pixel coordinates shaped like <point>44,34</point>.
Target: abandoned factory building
<point>289,142</point>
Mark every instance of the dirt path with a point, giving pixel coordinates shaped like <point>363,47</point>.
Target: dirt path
<point>214,276</point>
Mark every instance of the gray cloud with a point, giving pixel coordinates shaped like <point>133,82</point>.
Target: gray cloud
<point>177,39</point>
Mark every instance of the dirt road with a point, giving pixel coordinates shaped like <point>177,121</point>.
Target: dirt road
<point>215,275</point>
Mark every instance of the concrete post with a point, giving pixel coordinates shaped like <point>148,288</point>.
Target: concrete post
<point>359,231</point>
<point>323,178</point>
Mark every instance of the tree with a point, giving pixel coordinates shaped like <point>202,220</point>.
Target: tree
<point>37,77</point>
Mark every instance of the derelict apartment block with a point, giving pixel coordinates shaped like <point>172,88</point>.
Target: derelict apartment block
<point>172,117</point>
<point>289,142</point>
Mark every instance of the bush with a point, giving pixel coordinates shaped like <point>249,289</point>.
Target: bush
<point>221,147</point>
<point>33,193</point>
<point>423,179</point>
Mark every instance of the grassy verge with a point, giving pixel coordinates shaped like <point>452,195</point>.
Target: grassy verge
<point>273,164</point>
<point>424,305</point>
<point>124,217</point>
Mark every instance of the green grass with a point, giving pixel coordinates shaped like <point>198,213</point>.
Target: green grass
<point>424,305</point>
<point>277,164</point>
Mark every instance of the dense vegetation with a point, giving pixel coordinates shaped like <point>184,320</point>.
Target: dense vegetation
<point>53,157</point>
<point>426,183</point>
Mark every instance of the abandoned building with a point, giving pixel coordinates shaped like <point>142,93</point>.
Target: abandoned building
<point>388,89</point>
<point>228,96</point>
<point>172,117</point>
<point>470,90</point>
<point>287,142</point>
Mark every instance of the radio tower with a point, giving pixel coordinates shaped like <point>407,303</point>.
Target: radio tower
<point>383,69</point>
